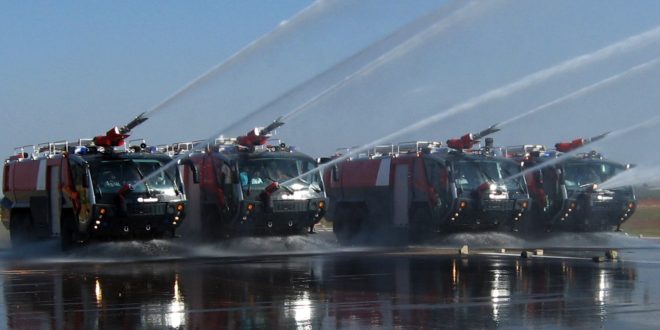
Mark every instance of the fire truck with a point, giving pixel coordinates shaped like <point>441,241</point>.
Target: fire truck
<point>91,189</point>
<point>566,194</point>
<point>409,190</point>
<point>251,187</point>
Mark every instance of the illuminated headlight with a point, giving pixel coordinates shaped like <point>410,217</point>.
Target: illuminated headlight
<point>493,187</point>
<point>180,207</point>
<point>249,207</point>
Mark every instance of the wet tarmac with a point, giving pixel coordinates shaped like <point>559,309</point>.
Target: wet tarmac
<point>310,282</point>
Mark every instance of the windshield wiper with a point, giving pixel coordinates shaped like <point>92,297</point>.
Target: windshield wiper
<point>146,186</point>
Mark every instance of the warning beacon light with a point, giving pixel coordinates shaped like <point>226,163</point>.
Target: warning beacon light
<point>468,141</point>
<point>115,136</point>
<point>577,143</point>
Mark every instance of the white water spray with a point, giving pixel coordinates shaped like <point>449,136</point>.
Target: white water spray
<point>315,8</point>
<point>621,47</point>
<point>411,43</point>
<point>586,90</point>
<point>370,58</point>
<point>612,135</point>
<point>397,44</point>
<point>644,174</point>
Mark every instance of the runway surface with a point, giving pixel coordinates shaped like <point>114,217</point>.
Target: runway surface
<point>310,282</point>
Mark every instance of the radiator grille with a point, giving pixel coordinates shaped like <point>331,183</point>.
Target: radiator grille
<point>493,205</point>
<point>290,206</point>
<point>147,209</point>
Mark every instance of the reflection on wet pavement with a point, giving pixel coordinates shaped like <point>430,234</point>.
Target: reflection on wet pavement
<point>346,290</point>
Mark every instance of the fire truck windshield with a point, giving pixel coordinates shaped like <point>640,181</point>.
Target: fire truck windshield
<point>257,172</point>
<point>109,176</point>
<point>470,174</point>
<point>579,174</point>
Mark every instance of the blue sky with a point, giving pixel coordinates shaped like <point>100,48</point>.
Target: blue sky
<point>76,68</point>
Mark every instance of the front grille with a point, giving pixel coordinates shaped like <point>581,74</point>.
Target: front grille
<point>608,206</point>
<point>493,205</point>
<point>147,209</point>
<point>290,206</point>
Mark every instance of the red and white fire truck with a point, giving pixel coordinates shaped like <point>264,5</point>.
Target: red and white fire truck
<point>91,189</point>
<point>566,194</point>
<point>250,187</point>
<point>409,190</point>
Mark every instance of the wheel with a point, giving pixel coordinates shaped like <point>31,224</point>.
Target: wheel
<point>350,225</point>
<point>341,226</point>
<point>67,231</point>
<point>421,225</point>
<point>19,228</point>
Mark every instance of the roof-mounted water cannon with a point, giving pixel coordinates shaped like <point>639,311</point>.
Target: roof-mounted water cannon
<point>115,136</point>
<point>577,143</point>
<point>468,141</point>
<point>259,135</point>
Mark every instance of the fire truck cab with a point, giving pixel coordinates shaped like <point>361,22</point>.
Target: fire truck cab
<point>566,194</point>
<point>252,189</point>
<point>81,191</point>
<point>416,188</point>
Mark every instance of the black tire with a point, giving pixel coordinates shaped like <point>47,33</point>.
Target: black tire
<point>19,228</point>
<point>341,226</point>
<point>67,231</point>
<point>421,225</point>
<point>350,225</point>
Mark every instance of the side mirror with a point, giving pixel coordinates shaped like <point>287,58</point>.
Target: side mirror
<point>86,179</point>
<point>234,172</point>
<point>322,160</point>
<point>193,169</point>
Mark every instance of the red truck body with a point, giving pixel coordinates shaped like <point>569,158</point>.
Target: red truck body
<point>78,193</point>
<point>414,189</point>
<point>242,190</point>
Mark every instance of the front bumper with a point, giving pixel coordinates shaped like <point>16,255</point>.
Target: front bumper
<point>137,220</point>
<point>489,214</point>
<point>279,217</point>
<point>595,215</point>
